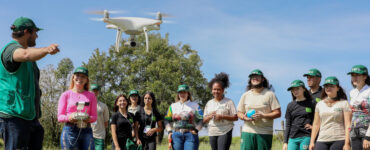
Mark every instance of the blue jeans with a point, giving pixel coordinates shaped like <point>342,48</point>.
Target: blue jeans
<point>74,138</point>
<point>21,134</point>
<point>185,141</point>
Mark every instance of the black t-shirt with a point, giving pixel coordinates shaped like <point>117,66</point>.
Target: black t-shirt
<point>147,120</point>
<point>316,97</point>
<point>123,124</point>
<point>298,114</point>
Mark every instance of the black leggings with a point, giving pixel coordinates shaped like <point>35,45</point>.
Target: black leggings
<point>221,142</point>
<point>149,144</point>
<point>356,143</point>
<point>334,145</point>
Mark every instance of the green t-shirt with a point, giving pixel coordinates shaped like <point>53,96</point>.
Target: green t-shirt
<point>12,66</point>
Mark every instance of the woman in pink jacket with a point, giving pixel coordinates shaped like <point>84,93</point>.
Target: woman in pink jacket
<point>77,109</point>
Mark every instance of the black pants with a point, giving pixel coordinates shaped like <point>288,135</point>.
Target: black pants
<point>335,145</point>
<point>221,142</point>
<point>149,144</point>
<point>121,143</point>
<point>356,143</point>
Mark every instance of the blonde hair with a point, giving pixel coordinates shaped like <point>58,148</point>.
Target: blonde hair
<point>177,98</point>
<point>86,86</point>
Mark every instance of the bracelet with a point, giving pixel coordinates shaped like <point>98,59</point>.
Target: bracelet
<point>367,138</point>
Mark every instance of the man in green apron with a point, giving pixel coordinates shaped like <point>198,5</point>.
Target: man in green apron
<point>19,87</point>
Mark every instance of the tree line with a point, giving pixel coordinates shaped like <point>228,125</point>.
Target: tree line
<point>160,70</point>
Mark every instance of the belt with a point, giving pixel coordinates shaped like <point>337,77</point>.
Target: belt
<point>182,130</point>
<point>72,124</point>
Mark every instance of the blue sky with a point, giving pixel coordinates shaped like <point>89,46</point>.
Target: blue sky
<point>282,38</point>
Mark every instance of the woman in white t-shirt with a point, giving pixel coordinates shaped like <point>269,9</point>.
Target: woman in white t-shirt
<point>360,98</point>
<point>332,119</point>
<point>220,114</point>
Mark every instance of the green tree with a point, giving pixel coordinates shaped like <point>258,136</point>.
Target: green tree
<point>160,70</point>
<point>53,82</point>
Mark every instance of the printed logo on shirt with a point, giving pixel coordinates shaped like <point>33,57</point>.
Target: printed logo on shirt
<point>154,118</point>
<point>308,109</point>
<point>338,109</point>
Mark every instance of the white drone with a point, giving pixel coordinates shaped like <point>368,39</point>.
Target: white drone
<point>130,25</point>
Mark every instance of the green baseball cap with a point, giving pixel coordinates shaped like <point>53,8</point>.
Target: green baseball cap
<point>296,83</point>
<point>331,80</point>
<point>256,72</point>
<point>133,92</point>
<point>94,87</point>
<point>23,23</point>
<point>183,87</point>
<point>313,72</point>
<point>82,70</point>
<point>358,69</point>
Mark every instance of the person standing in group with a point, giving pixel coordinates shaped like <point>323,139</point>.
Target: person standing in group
<point>220,114</point>
<point>121,122</point>
<point>258,128</point>
<point>332,119</point>
<point>20,111</point>
<point>360,99</point>
<point>313,81</point>
<point>101,124</point>
<point>185,119</point>
<point>135,101</point>
<point>146,120</point>
<point>134,106</point>
<point>77,109</point>
<point>298,118</point>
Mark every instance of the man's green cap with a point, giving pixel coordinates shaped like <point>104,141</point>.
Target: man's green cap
<point>256,72</point>
<point>94,87</point>
<point>358,69</point>
<point>82,70</point>
<point>23,23</point>
<point>313,72</point>
<point>331,80</point>
<point>183,87</point>
<point>133,92</point>
<point>296,83</point>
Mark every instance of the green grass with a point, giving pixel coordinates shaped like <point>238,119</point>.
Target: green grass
<point>204,144</point>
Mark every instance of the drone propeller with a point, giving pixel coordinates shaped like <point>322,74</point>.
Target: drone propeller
<point>97,19</point>
<point>166,15</point>
<point>168,22</point>
<point>101,12</point>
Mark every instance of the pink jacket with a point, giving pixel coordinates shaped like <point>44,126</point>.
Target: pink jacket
<point>67,105</point>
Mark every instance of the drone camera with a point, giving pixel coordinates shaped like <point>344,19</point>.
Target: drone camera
<point>132,43</point>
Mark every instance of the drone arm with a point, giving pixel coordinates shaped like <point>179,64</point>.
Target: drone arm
<point>146,39</point>
<point>118,39</point>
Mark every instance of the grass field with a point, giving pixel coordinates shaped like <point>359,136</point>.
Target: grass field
<point>204,144</point>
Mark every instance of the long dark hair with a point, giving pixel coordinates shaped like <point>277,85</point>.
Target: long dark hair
<point>340,94</point>
<point>265,83</point>
<point>154,104</point>
<point>306,94</point>
<point>115,108</point>
<point>221,78</point>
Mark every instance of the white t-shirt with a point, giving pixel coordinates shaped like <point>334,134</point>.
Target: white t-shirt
<point>264,102</point>
<point>360,103</point>
<point>332,120</point>
<point>224,107</point>
<point>98,126</point>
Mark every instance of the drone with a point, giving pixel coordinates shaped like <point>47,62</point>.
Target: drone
<point>132,26</point>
